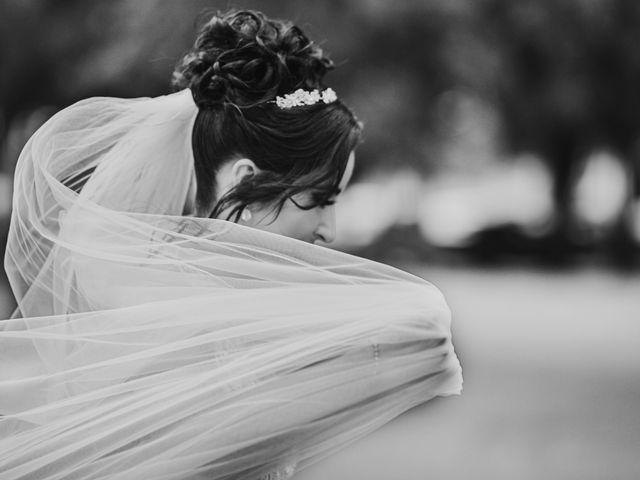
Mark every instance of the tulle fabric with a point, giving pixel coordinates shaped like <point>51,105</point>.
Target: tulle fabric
<point>152,345</point>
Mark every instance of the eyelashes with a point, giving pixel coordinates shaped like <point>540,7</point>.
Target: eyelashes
<point>316,199</point>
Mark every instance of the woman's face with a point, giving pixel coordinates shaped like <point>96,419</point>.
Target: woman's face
<point>316,224</point>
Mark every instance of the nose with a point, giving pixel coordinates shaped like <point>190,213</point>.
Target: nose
<point>326,229</point>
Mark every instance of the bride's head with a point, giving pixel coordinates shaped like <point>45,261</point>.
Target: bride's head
<point>271,166</point>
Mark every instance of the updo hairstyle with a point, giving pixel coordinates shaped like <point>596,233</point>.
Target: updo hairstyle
<point>240,62</point>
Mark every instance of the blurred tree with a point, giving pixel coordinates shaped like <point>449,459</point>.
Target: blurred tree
<point>568,84</point>
<point>562,75</point>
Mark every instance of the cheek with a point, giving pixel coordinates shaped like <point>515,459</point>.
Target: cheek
<point>297,223</point>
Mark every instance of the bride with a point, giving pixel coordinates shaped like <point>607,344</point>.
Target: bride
<point>175,319</point>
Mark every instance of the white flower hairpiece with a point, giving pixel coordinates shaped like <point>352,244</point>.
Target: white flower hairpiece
<point>303,97</point>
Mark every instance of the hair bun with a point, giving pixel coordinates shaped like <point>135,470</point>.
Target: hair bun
<point>211,87</point>
<point>246,59</point>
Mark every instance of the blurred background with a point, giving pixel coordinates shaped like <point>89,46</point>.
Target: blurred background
<point>501,162</point>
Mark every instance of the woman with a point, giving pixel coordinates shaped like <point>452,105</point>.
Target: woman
<point>174,319</point>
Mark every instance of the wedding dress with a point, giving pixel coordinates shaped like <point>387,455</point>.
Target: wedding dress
<point>152,345</point>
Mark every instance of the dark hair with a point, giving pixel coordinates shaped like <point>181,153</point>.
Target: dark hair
<point>240,62</point>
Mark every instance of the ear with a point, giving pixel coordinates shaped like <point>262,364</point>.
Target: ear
<point>241,169</point>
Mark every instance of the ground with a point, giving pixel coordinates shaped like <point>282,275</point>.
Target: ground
<point>551,363</point>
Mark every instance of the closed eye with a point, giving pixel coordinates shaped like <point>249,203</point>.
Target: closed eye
<point>318,199</point>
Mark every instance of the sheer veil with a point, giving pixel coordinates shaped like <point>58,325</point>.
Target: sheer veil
<point>152,345</point>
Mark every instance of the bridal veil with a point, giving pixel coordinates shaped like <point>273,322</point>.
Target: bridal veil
<point>152,345</point>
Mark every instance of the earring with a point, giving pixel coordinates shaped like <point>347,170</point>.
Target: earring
<point>246,215</point>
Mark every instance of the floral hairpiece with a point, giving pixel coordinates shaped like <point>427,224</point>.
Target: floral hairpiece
<point>303,97</point>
